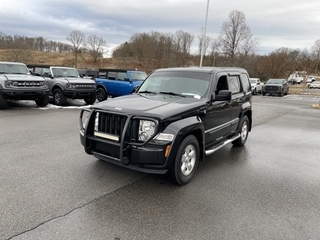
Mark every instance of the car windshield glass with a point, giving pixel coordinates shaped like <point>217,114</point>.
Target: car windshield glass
<point>7,68</point>
<point>65,72</point>
<point>188,84</point>
<point>253,81</point>
<point>138,76</point>
<point>274,81</point>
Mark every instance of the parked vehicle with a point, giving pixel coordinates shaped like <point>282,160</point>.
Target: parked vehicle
<point>315,84</point>
<point>176,118</point>
<point>16,83</point>
<point>275,86</point>
<point>65,82</point>
<point>256,85</point>
<point>118,82</point>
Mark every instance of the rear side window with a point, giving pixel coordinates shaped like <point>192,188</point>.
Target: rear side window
<point>245,82</point>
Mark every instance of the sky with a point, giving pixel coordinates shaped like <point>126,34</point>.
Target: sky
<point>293,24</point>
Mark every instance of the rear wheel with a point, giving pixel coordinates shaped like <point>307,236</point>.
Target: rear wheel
<point>42,102</point>
<point>244,131</point>
<point>3,102</point>
<point>59,98</point>
<point>101,95</point>
<point>186,161</point>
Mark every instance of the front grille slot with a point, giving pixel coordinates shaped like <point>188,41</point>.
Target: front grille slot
<point>111,123</point>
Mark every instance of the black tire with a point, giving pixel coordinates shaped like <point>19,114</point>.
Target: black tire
<point>254,92</point>
<point>42,102</point>
<point>186,161</point>
<point>101,95</point>
<point>263,93</point>
<point>244,132</point>
<point>59,98</point>
<point>3,102</point>
<point>281,93</point>
<point>91,100</point>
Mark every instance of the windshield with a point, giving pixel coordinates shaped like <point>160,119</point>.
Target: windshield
<point>138,76</point>
<point>253,81</point>
<point>7,68</point>
<point>65,72</point>
<point>275,81</point>
<point>189,84</point>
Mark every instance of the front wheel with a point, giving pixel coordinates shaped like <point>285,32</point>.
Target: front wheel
<point>59,98</point>
<point>101,95</point>
<point>91,100</point>
<point>244,131</point>
<point>42,102</point>
<point>3,102</point>
<point>186,161</point>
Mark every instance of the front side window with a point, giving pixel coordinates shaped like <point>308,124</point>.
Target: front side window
<point>138,76</point>
<point>234,84</point>
<point>122,76</point>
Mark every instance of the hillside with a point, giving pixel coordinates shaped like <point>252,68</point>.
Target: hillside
<point>68,59</point>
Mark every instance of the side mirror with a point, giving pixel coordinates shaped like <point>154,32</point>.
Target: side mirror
<point>223,95</point>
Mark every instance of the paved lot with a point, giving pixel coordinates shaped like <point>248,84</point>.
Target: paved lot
<point>269,189</point>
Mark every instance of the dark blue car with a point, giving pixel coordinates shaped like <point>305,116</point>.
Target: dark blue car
<point>117,82</point>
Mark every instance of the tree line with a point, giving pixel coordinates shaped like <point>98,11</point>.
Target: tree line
<point>235,46</point>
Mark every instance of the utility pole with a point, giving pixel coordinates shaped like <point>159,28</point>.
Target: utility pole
<point>204,34</point>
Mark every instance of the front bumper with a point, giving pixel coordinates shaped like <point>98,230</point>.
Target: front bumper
<point>25,94</point>
<point>149,159</point>
<point>79,94</point>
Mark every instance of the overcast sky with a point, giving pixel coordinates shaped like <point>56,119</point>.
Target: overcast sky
<point>276,23</point>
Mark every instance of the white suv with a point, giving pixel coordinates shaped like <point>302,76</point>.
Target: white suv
<point>256,85</point>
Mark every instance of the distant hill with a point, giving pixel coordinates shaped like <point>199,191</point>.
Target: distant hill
<point>67,59</point>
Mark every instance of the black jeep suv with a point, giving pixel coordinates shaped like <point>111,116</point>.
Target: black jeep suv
<point>176,118</point>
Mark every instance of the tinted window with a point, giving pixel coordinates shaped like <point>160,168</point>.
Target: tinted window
<point>123,76</point>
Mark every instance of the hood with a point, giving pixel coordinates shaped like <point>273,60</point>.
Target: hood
<point>78,80</point>
<point>160,105</point>
<point>23,77</point>
<point>273,84</point>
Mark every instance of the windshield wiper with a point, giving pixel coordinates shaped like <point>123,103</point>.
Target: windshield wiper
<point>147,92</point>
<point>173,94</point>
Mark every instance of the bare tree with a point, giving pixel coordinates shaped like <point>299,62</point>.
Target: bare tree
<point>77,40</point>
<point>235,35</point>
<point>95,46</point>
<point>316,52</point>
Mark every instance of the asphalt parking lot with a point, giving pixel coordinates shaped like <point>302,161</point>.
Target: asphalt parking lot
<point>269,189</point>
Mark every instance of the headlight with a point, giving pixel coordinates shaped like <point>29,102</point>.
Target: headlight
<point>146,130</point>
<point>8,83</point>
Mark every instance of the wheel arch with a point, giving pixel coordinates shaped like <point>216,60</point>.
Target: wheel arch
<point>183,128</point>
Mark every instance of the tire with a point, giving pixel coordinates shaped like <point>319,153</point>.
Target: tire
<point>42,102</point>
<point>186,160</point>
<point>59,98</point>
<point>101,95</point>
<point>244,132</point>
<point>281,93</point>
<point>3,102</point>
<point>254,92</point>
<point>263,93</point>
<point>91,100</point>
